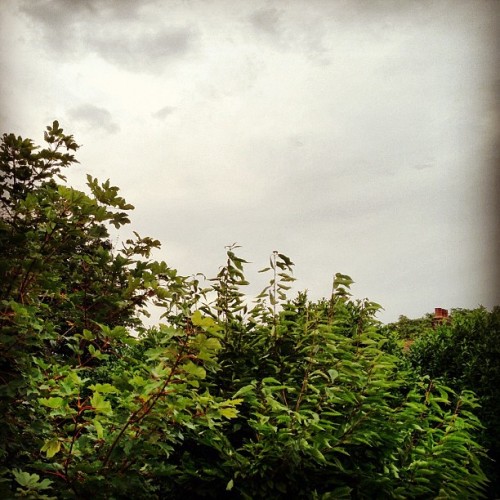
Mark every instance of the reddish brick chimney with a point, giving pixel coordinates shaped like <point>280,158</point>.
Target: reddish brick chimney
<point>440,316</point>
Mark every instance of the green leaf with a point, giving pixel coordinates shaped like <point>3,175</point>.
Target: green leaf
<point>212,344</point>
<point>26,479</point>
<point>51,447</point>
<point>104,388</point>
<point>229,412</point>
<point>197,318</point>
<point>98,427</point>
<point>31,482</point>
<point>195,370</point>
<point>333,374</point>
<point>54,403</point>
<point>88,335</point>
<point>244,390</point>
<point>341,492</point>
<point>100,405</point>
<point>206,323</point>
<point>227,408</point>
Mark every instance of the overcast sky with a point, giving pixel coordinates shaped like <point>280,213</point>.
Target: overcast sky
<point>355,136</point>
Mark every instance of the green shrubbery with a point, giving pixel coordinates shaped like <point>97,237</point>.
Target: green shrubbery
<point>281,397</point>
<point>464,353</point>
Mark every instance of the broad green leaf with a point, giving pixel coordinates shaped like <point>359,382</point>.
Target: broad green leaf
<point>104,388</point>
<point>54,403</point>
<point>100,405</point>
<point>88,335</point>
<point>197,319</point>
<point>195,370</point>
<point>51,447</point>
<point>333,374</point>
<point>212,344</point>
<point>26,479</point>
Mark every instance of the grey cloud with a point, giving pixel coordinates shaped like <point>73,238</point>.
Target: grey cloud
<point>266,20</point>
<point>55,13</point>
<point>94,117</point>
<point>120,9</point>
<point>423,166</point>
<point>307,30</point>
<point>57,21</point>
<point>291,29</point>
<point>163,112</point>
<point>146,52</point>
<point>389,15</point>
<point>296,141</point>
<point>116,30</point>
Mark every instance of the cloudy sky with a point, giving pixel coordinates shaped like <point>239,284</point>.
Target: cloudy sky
<point>355,136</point>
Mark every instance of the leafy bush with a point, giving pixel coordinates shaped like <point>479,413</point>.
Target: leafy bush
<point>464,354</point>
<point>225,398</point>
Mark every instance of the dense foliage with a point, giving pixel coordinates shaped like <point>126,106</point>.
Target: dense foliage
<point>225,398</point>
<point>464,353</point>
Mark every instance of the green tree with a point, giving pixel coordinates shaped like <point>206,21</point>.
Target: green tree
<point>68,303</point>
